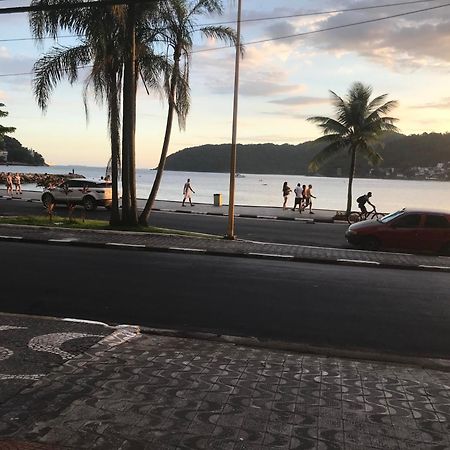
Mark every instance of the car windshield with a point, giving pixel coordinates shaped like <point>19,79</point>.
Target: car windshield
<point>392,216</point>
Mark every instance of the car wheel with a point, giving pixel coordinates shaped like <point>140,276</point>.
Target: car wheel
<point>89,203</point>
<point>370,243</point>
<point>353,218</point>
<point>47,199</point>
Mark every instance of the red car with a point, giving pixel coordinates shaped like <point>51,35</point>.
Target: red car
<point>409,229</point>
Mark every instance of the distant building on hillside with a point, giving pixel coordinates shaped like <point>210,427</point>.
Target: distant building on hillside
<point>3,156</point>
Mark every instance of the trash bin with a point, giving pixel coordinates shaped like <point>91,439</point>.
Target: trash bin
<point>217,199</point>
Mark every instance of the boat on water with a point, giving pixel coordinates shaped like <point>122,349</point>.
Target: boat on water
<point>239,175</point>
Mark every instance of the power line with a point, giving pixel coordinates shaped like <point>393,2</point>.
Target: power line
<point>306,33</point>
<point>334,11</point>
<point>258,19</point>
<point>67,6</point>
<point>337,27</point>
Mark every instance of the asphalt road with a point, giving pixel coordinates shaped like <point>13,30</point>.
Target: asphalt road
<point>405,312</point>
<point>264,230</point>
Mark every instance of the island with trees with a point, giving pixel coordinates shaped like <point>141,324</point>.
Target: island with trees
<point>418,156</point>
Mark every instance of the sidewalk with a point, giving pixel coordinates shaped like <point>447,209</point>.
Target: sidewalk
<point>159,392</point>
<point>261,212</point>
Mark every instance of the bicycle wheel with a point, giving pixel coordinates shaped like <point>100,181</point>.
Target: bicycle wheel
<point>353,217</point>
<point>377,215</point>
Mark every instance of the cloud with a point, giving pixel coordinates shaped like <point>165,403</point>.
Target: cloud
<point>402,43</point>
<point>301,101</point>
<point>443,104</point>
<point>263,72</point>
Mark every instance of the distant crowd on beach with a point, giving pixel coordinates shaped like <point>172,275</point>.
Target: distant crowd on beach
<point>13,184</point>
<point>303,197</point>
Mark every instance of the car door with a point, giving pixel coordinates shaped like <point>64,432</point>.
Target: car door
<point>434,233</point>
<point>402,233</point>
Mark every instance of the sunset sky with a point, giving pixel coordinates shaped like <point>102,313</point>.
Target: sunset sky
<point>283,80</point>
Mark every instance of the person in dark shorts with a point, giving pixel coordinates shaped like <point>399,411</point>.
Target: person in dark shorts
<point>298,198</point>
<point>362,200</point>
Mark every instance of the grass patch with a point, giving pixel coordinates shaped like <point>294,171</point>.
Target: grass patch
<point>90,224</point>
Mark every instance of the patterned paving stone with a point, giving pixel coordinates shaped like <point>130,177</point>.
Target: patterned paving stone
<point>156,392</point>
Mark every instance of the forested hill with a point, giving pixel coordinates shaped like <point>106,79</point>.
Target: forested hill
<point>18,154</point>
<point>400,153</point>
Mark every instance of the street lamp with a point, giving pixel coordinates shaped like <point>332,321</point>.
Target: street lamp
<point>230,230</point>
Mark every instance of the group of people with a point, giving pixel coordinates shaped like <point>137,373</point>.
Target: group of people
<point>13,182</point>
<point>303,197</point>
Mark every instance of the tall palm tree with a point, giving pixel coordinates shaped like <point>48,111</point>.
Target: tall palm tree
<point>99,30</point>
<point>357,128</point>
<point>178,26</point>
<point>102,32</point>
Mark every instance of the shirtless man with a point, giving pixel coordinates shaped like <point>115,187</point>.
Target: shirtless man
<point>9,184</point>
<point>187,190</point>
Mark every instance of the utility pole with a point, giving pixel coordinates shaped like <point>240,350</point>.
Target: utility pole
<point>230,231</point>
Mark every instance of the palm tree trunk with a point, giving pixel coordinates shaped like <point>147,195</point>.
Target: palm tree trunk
<point>350,179</point>
<point>129,212</point>
<point>143,218</point>
<point>115,149</point>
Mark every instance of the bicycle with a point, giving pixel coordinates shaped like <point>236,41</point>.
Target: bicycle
<point>356,216</point>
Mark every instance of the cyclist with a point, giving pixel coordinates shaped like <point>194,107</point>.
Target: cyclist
<point>362,200</point>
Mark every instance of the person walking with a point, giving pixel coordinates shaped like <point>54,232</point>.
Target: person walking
<point>298,198</point>
<point>308,198</point>
<point>187,190</point>
<point>17,183</point>
<point>286,191</point>
<point>9,184</point>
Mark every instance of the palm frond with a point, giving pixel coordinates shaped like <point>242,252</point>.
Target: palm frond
<point>60,62</point>
<point>329,152</point>
<point>370,154</point>
<point>329,125</point>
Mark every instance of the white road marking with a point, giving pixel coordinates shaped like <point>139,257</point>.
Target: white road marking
<point>200,250</point>
<point>119,244</point>
<point>423,266</point>
<point>93,322</point>
<point>61,240</point>
<point>271,255</point>
<point>267,217</point>
<point>11,237</point>
<point>358,261</point>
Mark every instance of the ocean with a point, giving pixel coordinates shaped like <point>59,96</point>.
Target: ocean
<point>265,190</point>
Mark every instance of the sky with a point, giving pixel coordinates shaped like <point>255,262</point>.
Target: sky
<point>283,80</point>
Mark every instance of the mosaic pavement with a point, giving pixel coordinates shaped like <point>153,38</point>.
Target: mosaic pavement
<point>156,392</point>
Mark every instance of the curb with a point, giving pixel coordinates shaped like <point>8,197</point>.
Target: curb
<point>333,352</point>
<point>205,251</point>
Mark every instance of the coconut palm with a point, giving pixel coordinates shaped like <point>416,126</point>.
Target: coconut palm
<point>100,30</point>
<point>102,44</point>
<point>178,26</point>
<point>357,128</point>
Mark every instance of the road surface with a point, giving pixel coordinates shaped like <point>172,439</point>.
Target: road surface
<point>402,311</point>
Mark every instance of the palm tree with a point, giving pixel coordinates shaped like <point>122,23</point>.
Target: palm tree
<point>103,44</point>
<point>100,30</point>
<point>357,128</point>
<point>178,26</point>
<point>4,130</point>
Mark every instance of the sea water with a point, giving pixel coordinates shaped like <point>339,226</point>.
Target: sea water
<point>265,190</point>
